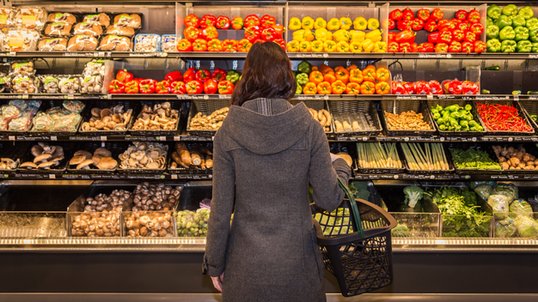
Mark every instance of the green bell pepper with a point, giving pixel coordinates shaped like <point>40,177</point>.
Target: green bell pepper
<point>532,23</point>
<point>493,45</point>
<point>524,46</point>
<point>302,78</point>
<point>533,35</point>
<point>508,46</point>
<point>534,47</point>
<point>492,31</point>
<point>489,22</point>
<point>494,11</point>
<point>299,89</point>
<point>526,12</point>
<point>503,21</point>
<point>522,33</point>
<point>507,33</point>
<point>510,10</point>
<point>518,21</point>
<point>233,76</point>
<point>304,67</point>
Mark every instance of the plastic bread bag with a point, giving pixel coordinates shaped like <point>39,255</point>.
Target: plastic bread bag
<point>87,28</point>
<point>147,43</point>
<point>49,83</point>
<point>23,122</point>
<point>69,84</point>
<point>82,43</point>
<point>24,84</point>
<point>20,40</point>
<point>52,44</point>
<point>120,30</point>
<point>30,17</point>
<point>4,83</point>
<point>168,43</point>
<point>22,68</point>
<point>128,20</point>
<point>58,29</point>
<point>115,43</point>
<point>5,17</point>
<point>100,19</point>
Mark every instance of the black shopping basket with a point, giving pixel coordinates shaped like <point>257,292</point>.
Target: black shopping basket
<point>356,244</point>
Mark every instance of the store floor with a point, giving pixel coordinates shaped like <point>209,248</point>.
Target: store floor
<point>69,297</point>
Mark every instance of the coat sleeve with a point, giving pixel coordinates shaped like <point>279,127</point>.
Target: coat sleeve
<point>222,205</point>
<point>322,175</point>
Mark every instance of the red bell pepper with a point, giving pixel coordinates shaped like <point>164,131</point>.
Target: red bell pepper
<point>251,20</point>
<point>423,14</point>
<point>422,87</point>
<point>417,24</point>
<point>225,87</point>
<point>470,37</point>
<point>269,34</point>
<point>392,24</point>
<point>229,45</point>
<point>210,86</point>
<point>453,86</point>
<point>433,37</point>
<point>467,47</point>
<point>477,28</point>
<point>435,87</point>
<point>461,15</point>
<point>407,14</point>
<point>131,87</point>
<point>237,23</point>
<point>173,76</point>
<point>162,87</point>
<point>208,20</point>
<point>244,45</point>
<point>395,14</point>
<point>184,45</point>
<point>218,74</point>
<point>437,14</point>
<point>441,47</point>
<point>194,87</point>
<point>124,76</point>
<point>464,26</point>
<point>445,37</point>
<point>191,33</point>
<point>397,87</point>
<point>473,16</point>
<point>214,45</point>
<point>391,37</point>
<point>147,86</point>
<point>404,24</point>
<point>252,33</point>
<point>426,47</point>
<point>454,46</point>
<point>189,74</point>
<point>280,43</point>
<point>191,20</point>
<point>458,35</point>
<point>430,25</point>
<point>202,75</point>
<point>267,21</point>
<point>178,87</point>
<point>199,45</point>
<point>480,46</point>
<point>210,33</point>
<point>393,47</point>
<point>223,22</point>
<point>116,86</point>
<point>469,87</point>
<point>405,47</point>
<point>405,36</point>
<point>409,87</point>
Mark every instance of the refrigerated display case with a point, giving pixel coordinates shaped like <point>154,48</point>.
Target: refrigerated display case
<point>47,239</point>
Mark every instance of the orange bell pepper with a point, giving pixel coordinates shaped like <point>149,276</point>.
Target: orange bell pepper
<point>338,68</point>
<point>370,67</point>
<point>368,74</point>
<point>351,67</point>
<point>353,88</point>
<point>342,75</point>
<point>316,77</point>
<point>325,69</point>
<point>382,74</point>
<point>310,88</point>
<point>329,77</point>
<point>355,76</point>
<point>367,87</point>
<point>324,88</point>
<point>382,88</point>
<point>338,87</point>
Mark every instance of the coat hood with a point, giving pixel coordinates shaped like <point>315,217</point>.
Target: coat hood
<point>267,126</point>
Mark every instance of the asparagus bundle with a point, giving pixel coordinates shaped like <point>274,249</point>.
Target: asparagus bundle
<point>427,156</point>
<point>378,156</point>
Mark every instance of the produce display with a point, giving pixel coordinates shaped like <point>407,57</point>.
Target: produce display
<point>378,156</point>
<point>149,224</point>
<point>193,156</point>
<point>32,225</point>
<point>511,29</point>
<point>100,159</point>
<point>323,116</point>
<point>58,119</point>
<point>500,117</point>
<point>426,157</point>
<point>202,34</point>
<point>144,156</point>
<point>407,120</point>
<point>108,119</point>
<point>455,118</point>
<point>335,35</point>
<point>353,122</point>
<point>461,33</point>
<point>45,157</point>
<point>151,197</point>
<point>512,158</point>
<point>211,122</point>
<point>157,118</point>
<point>17,115</point>
<point>192,223</point>
<point>341,80</point>
<point>473,159</point>
<point>434,87</point>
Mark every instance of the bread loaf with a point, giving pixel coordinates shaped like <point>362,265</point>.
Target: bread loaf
<point>101,19</point>
<point>58,29</point>
<point>62,17</point>
<point>86,28</point>
<point>120,30</point>
<point>52,44</point>
<point>128,20</point>
<point>116,43</point>
<point>82,43</point>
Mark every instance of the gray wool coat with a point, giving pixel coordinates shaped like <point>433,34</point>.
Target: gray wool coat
<point>266,154</point>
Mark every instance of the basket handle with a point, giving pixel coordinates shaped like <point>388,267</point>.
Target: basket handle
<point>355,213</point>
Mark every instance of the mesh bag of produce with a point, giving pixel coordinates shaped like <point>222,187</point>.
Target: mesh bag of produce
<point>355,242</point>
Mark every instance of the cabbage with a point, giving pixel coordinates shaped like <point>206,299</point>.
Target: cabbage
<point>521,208</point>
<point>509,190</point>
<point>526,227</point>
<point>483,190</point>
<point>505,228</point>
<point>500,205</point>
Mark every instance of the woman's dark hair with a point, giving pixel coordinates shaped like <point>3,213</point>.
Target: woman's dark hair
<point>266,74</point>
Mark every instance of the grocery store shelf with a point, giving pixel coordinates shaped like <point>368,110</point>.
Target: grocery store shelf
<point>103,175</point>
<point>457,175</point>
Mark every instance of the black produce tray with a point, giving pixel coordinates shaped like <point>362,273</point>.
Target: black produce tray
<point>48,105</point>
<point>529,148</point>
<point>68,153</point>
<point>205,107</point>
<point>521,114</point>
<point>78,204</point>
<point>339,108</point>
<point>382,170</point>
<point>191,170</point>
<point>317,105</point>
<point>144,171</point>
<point>126,105</point>
<point>399,106</point>
<point>529,108</point>
<point>484,147</point>
<point>445,103</point>
<point>12,151</point>
<point>447,155</point>
<point>174,105</point>
<point>192,195</point>
<point>114,148</point>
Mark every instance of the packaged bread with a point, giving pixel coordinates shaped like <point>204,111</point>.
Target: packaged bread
<point>22,68</point>
<point>128,20</point>
<point>147,43</point>
<point>52,44</point>
<point>101,19</point>
<point>58,29</point>
<point>82,43</point>
<point>30,17</point>
<point>168,43</point>
<point>5,17</point>
<point>120,30</point>
<point>87,28</point>
<point>20,40</point>
<point>114,42</point>
<point>62,17</point>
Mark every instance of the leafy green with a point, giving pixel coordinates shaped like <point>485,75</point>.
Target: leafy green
<point>473,159</point>
<point>413,195</point>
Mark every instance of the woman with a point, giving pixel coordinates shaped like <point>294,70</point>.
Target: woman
<point>265,155</point>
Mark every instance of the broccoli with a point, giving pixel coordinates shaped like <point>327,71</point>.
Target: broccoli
<point>413,195</point>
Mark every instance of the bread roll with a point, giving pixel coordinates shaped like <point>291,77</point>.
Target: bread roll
<point>101,19</point>
<point>62,17</point>
<point>5,13</point>
<point>58,29</point>
<point>128,20</point>
<point>120,30</point>
<point>86,28</point>
<point>52,44</point>
<point>116,43</point>
<point>82,43</point>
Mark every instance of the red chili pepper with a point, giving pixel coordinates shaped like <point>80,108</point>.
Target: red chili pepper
<point>502,118</point>
<point>163,87</point>
<point>173,76</point>
<point>147,86</point>
<point>194,87</point>
<point>178,87</point>
<point>116,86</point>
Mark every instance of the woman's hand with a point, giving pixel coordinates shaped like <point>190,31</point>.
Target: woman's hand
<point>217,282</point>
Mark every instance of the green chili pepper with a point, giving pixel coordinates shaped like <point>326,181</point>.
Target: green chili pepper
<point>526,12</point>
<point>522,33</point>
<point>524,46</point>
<point>494,12</point>
<point>493,67</point>
<point>304,67</point>
<point>508,46</point>
<point>493,45</point>
<point>507,33</point>
<point>503,21</point>
<point>302,78</point>
<point>492,31</point>
<point>510,10</point>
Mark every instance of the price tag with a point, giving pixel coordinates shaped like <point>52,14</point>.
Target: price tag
<point>365,138</point>
<point>25,96</point>
<point>173,176</point>
<point>53,138</point>
<point>161,138</point>
<point>69,97</point>
<point>52,176</point>
<point>177,138</point>
<point>533,56</point>
<point>206,97</point>
<point>12,54</point>
<point>11,137</point>
<point>510,139</point>
<point>103,138</point>
<point>442,139</point>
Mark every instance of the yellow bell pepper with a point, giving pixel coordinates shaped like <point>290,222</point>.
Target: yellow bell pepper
<point>380,46</point>
<point>341,35</point>
<point>298,35</point>
<point>360,23</point>
<point>345,23</point>
<point>294,24</point>
<point>308,35</point>
<point>323,34</point>
<point>320,23</point>
<point>355,46</point>
<point>374,35</point>
<point>367,45</point>
<point>307,22</point>
<point>305,46</point>
<point>333,24</point>
<point>342,46</point>
<point>357,35</point>
<point>317,46</point>
<point>329,46</point>
<point>292,46</point>
<point>373,23</point>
